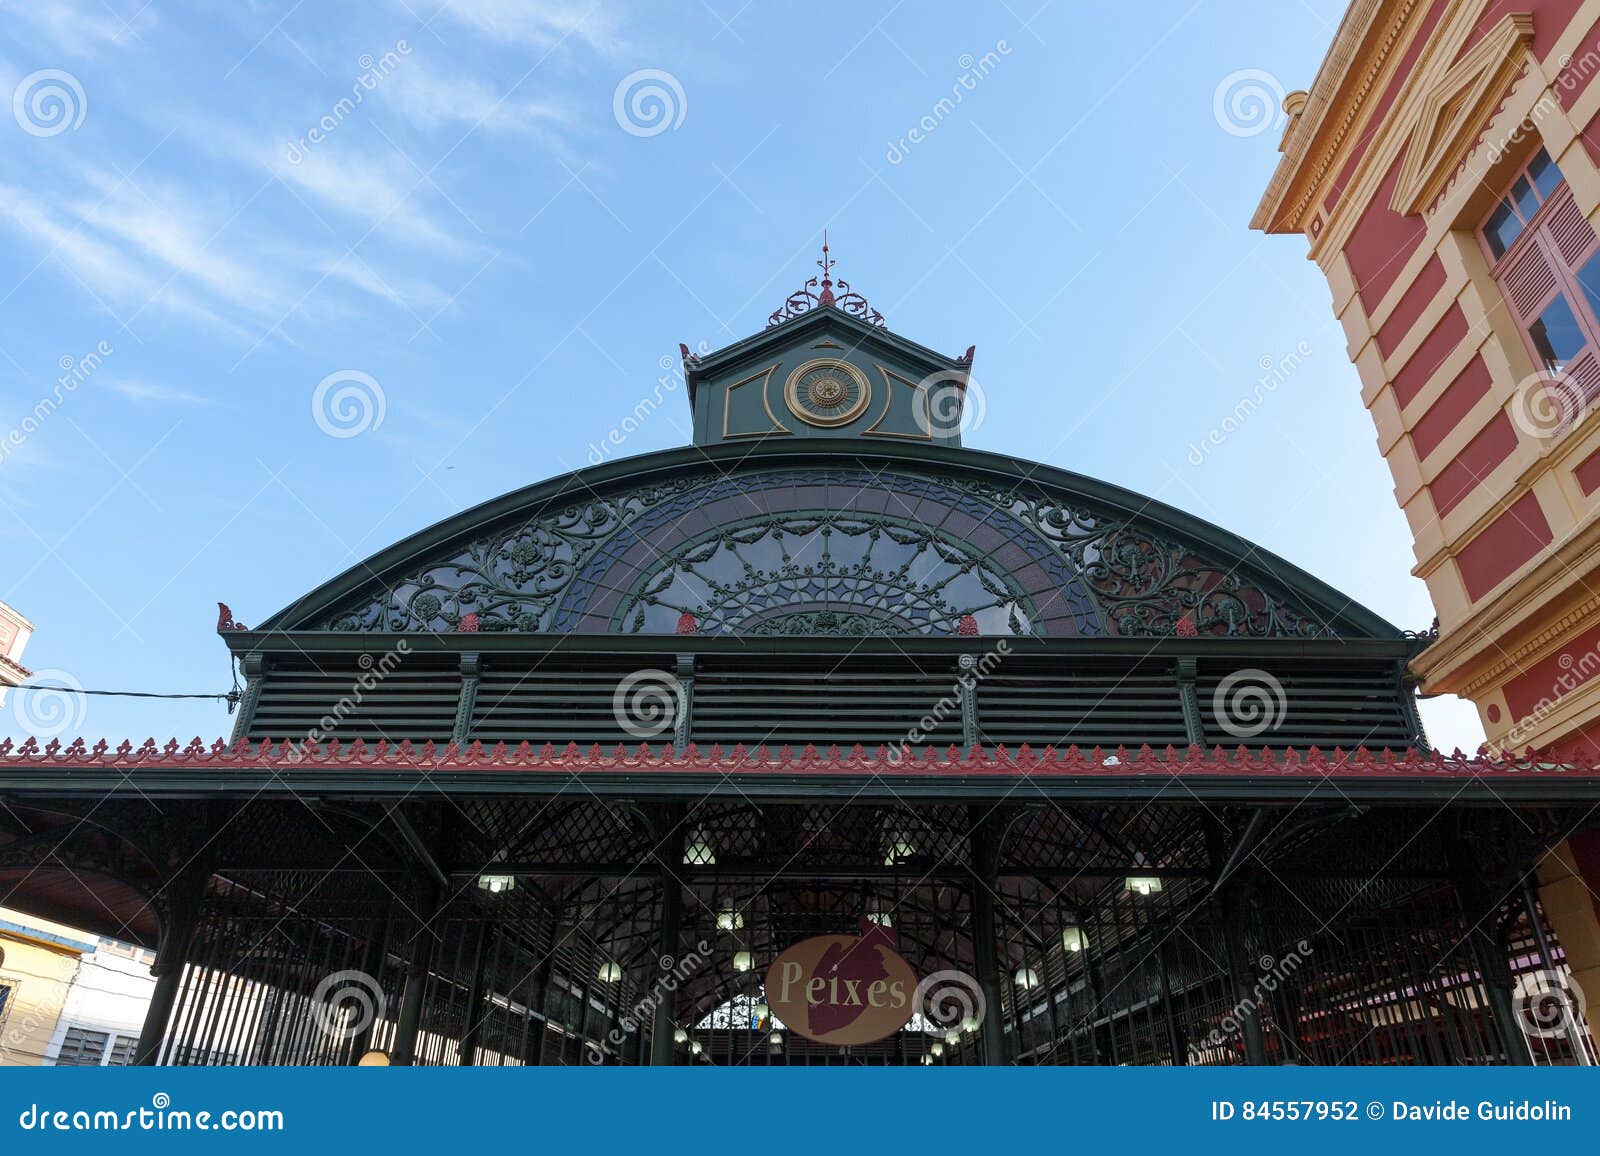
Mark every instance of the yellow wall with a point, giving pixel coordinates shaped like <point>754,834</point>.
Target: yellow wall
<point>39,973</point>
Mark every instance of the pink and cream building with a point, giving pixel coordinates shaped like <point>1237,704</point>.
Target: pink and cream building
<point>1444,168</point>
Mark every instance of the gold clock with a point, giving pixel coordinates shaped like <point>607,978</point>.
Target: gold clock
<point>827,392</point>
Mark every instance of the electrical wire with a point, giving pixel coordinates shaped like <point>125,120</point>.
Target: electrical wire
<point>115,693</point>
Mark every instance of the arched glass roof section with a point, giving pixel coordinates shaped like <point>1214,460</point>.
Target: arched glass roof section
<point>802,538</point>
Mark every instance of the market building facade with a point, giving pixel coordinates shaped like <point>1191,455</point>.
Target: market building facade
<point>822,740</point>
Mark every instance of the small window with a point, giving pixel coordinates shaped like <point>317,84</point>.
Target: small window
<point>82,1049</point>
<point>1543,173</point>
<point>1537,183</point>
<point>1547,264</point>
<point>122,1051</point>
<point>1503,227</point>
<point>1557,335</point>
<point>1522,195</point>
<point>1588,278</point>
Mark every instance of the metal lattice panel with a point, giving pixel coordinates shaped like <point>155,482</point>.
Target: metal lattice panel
<point>901,550</point>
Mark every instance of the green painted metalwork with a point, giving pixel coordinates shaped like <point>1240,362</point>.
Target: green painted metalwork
<point>824,572</point>
<point>1023,548</point>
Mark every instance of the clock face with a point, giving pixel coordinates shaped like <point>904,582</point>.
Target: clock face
<point>827,392</point>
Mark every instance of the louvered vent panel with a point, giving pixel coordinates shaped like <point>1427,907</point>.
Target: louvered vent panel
<point>414,700</point>
<point>1091,706</point>
<point>843,701</point>
<point>562,702</point>
<point>1326,706</point>
<point>1573,234</point>
<point>1529,281</point>
<point>1574,395</point>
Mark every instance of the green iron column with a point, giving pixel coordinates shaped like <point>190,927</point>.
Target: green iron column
<point>1480,911</point>
<point>185,896</point>
<point>373,958</point>
<point>475,1003</point>
<point>985,935</point>
<point>1234,906</point>
<point>417,972</point>
<point>669,856</point>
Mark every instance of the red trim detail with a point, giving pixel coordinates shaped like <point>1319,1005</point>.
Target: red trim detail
<point>1381,243</point>
<point>1553,678</point>
<point>225,620</point>
<point>967,626</point>
<point>1588,473</point>
<point>1451,406</point>
<point>1440,343</point>
<point>1410,306</point>
<point>1504,546</point>
<point>687,624</point>
<point>1477,460</point>
<point>1099,762</point>
<point>468,624</point>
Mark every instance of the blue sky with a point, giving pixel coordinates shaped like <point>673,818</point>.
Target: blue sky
<point>503,241</point>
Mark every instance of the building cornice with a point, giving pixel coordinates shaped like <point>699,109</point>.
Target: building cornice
<point>1363,45</point>
<point>1448,665</point>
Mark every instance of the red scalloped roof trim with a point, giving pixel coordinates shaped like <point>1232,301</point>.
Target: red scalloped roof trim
<point>1021,762</point>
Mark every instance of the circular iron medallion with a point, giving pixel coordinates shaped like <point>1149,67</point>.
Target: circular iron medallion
<point>827,392</point>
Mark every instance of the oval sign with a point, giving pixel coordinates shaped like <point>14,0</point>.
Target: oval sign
<point>843,989</point>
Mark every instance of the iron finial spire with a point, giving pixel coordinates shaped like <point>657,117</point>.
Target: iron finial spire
<point>826,296</point>
<point>818,292</point>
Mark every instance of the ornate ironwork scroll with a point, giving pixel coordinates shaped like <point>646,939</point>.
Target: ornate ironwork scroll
<point>817,293</point>
<point>834,551</point>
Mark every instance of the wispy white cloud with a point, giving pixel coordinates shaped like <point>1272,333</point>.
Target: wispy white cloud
<point>186,235</point>
<point>79,29</point>
<point>381,188</point>
<point>149,391</point>
<point>105,266</point>
<point>429,99</point>
<point>541,24</point>
<point>405,293</point>
<point>131,263</point>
